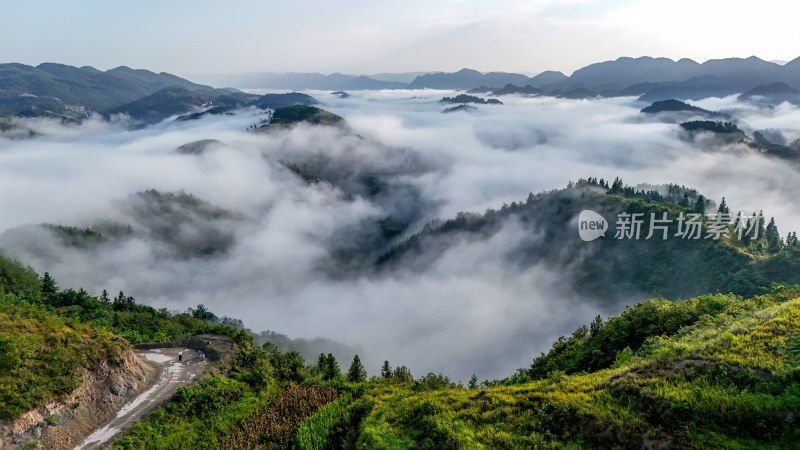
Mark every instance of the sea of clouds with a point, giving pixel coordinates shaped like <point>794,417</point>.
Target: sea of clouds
<point>470,313</point>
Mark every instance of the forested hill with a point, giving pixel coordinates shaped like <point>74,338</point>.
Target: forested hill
<point>716,372</point>
<point>609,269</point>
<point>655,376</point>
<point>61,89</point>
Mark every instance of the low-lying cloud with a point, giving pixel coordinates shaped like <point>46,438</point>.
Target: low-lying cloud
<point>471,312</point>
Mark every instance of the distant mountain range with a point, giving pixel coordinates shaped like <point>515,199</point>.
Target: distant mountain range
<point>299,81</point>
<point>652,79</point>
<point>71,92</point>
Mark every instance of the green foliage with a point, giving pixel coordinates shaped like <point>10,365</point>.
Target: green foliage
<point>357,373</point>
<point>403,374</point>
<point>309,349</point>
<point>288,366</point>
<point>712,126</point>
<point>42,354</point>
<point>251,366</point>
<point>49,335</point>
<point>464,98</point>
<point>291,115</point>
<point>273,426</point>
<point>198,417</point>
<point>760,142</point>
<point>432,381</point>
<point>203,313</point>
<point>317,432</point>
<point>257,403</point>
<point>599,348</point>
<point>49,289</point>
<point>328,367</point>
<point>386,370</point>
<point>124,317</point>
<point>728,380</point>
<point>55,86</point>
<point>84,238</point>
<point>19,280</point>
<point>774,242</point>
<point>609,269</point>
<point>164,103</point>
<point>674,105</point>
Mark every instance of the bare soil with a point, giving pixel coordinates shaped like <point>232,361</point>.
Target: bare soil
<point>117,395</point>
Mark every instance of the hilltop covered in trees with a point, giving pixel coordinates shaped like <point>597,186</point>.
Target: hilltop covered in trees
<point>464,98</point>
<point>612,269</point>
<point>712,126</point>
<point>676,106</point>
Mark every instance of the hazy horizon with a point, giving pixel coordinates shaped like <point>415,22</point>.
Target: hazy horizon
<point>365,38</point>
<point>191,76</point>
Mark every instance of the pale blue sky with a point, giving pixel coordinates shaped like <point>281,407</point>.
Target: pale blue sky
<point>360,36</point>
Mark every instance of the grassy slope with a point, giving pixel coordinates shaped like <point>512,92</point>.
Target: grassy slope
<point>42,354</point>
<point>48,338</point>
<point>252,404</point>
<point>198,417</point>
<point>728,381</point>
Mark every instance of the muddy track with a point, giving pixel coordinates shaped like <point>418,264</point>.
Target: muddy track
<point>172,374</point>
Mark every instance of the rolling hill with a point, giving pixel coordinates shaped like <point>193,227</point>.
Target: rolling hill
<point>60,89</point>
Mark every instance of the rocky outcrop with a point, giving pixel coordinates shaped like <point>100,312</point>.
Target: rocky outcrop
<point>62,424</point>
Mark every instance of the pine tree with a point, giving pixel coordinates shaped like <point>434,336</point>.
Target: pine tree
<point>684,201</point>
<point>49,289</point>
<point>774,243</point>
<point>332,370</point>
<point>120,300</point>
<point>386,370</point>
<point>357,373</point>
<point>473,381</point>
<point>791,240</point>
<point>617,186</point>
<point>760,220</point>
<point>700,205</point>
<point>403,375</point>
<point>104,297</point>
<point>723,207</point>
<point>596,325</point>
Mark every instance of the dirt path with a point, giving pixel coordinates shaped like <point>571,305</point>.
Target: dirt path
<point>171,375</point>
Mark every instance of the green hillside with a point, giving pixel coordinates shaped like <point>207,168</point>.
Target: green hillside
<point>712,126</point>
<point>53,88</point>
<point>676,106</point>
<point>612,270</point>
<point>730,380</point>
<point>288,116</point>
<point>715,371</point>
<point>164,103</point>
<point>42,354</point>
<point>718,370</point>
<point>49,335</point>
